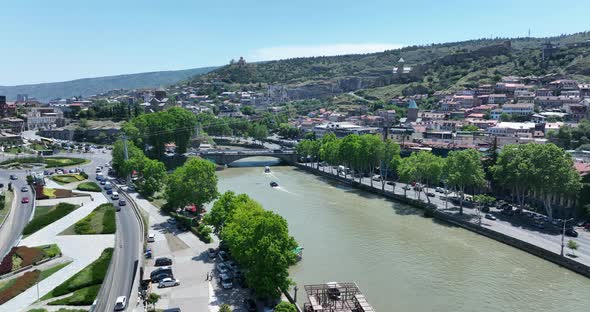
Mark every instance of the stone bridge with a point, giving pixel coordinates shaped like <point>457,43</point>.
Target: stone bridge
<point>229,156</point>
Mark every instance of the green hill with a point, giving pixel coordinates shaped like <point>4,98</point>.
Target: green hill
<point>435,67</point>
<point>91,86</point>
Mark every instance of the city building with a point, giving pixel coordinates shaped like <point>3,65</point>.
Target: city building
<point>44,118</point>
<point>518,109</point>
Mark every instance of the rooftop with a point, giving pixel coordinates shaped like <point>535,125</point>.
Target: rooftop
<point>336,297</point>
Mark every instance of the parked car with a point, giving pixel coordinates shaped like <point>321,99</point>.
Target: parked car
<point>171,221</point>
<point>222,268</point>
<point>168,282</point>
<point>212,252</point>
<point>250,305</point>
<point>25,200</point>
<point>231,265</point>
<point>407,187</point>
<point>390,183</point>
<point>571,232</point>
<point>226,281</point>
<point>490,217</point>
<point>121,303</point>
<point>151,238</point>
<point>163,261</point>
<point>430,194</point>
<point>158,277</point>
<point>439,190</point>
<point>24,189</point>
<point>223,256</point>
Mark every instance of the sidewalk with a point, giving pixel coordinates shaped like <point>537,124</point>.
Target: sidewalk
<point>83,249</point>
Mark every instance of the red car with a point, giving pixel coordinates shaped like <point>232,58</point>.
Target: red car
<point>25,200</point>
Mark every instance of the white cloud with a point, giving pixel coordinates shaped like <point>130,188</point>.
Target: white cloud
<point>284,52</point>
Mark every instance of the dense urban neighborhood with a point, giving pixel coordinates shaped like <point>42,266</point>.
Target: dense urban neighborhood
<point>153,199</point>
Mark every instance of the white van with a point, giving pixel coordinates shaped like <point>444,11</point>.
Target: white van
<point>108,186</point>
<point>115,196</point>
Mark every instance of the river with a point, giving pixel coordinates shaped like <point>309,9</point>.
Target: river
<point>399,259</point>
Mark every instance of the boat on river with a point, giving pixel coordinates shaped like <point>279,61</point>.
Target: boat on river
<point>274,184</point>
<point>298,251</point>
<point>267,169</point>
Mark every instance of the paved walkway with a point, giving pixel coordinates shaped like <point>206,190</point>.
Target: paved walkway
<point>84,249</point>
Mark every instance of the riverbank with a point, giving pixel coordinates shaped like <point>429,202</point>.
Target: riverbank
<point>535,245</point>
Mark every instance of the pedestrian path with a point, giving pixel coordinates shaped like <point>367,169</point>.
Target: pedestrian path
<point>83,249</point>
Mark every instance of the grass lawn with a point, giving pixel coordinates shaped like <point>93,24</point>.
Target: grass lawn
<point>91,275</point>
<point>64,161</point>
<point>100,221</point>
<point>49,251</point>
<point>8,196</point>
<point>89,187</point>
<point>83,296</point>
<point>46,215</point>
<point>67,178</point>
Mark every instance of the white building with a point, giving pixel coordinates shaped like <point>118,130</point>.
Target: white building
<point>518,129</point>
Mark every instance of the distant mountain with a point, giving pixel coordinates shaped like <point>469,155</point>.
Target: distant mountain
<point>91,86</point>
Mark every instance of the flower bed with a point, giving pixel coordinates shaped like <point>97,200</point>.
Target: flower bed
<point>21,284</point>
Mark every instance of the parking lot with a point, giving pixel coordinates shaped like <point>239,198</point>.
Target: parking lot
<point>190,266</point>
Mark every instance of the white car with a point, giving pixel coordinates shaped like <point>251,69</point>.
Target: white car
<point>121,303</point>
<point>168,282</point>
<point>151,238</point>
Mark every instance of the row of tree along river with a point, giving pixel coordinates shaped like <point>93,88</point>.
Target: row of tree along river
<point>400,260</point>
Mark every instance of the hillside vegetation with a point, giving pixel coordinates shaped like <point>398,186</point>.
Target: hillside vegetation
<point>435,67</point>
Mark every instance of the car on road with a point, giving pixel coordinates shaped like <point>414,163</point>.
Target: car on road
<point>109,192</point>
<point>25,200</point>
<point>24,189</point>
<point>222,268</point>
<point>490,217</point>
<point>172,310</point>
<point>571,232</point>
<point>98,169</point>
<point>151,238</point>
<point>121,303</point>
<point>122,202</point>
<point>163,261</point>
<point>13,177</point>
<point>430,194</point>
<point>103,182</point>
<point>226,281</point>
<point>115,196</point>
<point>406,187</point>
<point>168,282</point>
<point>250,305</point>
<point>212,253</point>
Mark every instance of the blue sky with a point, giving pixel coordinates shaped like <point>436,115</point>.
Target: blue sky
<point>46,41</point>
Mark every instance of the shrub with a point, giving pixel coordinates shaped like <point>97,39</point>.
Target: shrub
<point>29,255</point>
<point>21,284</point>
<point>109,224</point>
<point>6,264</point>
<point>203,233</point>
<point>105,214</point>
<point>83,296</point>
<point>91,275</point>
<point>58,212</point>
<point>84,174</point>
<point>62,161</point>
<point>89,187</point>
<point>285,307</point>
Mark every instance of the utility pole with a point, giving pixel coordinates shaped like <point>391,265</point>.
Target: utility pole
<point>563,235</point>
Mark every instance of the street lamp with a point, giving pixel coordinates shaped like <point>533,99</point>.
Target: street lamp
<point>563,235</point>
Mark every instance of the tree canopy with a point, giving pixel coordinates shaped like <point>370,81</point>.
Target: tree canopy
<point>195,182</point>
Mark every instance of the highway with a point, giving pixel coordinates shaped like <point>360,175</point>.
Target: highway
<point>11,230</point>
<point>121,275</point>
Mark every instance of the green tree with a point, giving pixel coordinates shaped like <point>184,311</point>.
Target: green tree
<point>223,209</point>
<point>193,183</point>
<point>471,128</point>
<point>152,176</point>
<point>407,171</point>
<point>462,170</point>
<point>259,240</point>
<point>152,299</point>
<point>573,245</point>
<point>285,307</point>
<point>247,110</point>
<point>482,200</point>
<point>350,150</point>
<point>225,308</point>
<point>371,149</point>
<point>124,167</point>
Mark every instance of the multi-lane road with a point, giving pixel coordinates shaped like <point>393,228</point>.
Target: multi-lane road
<point>122,271</point>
